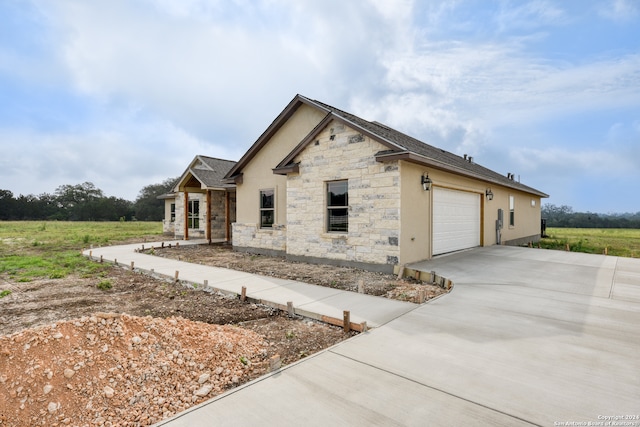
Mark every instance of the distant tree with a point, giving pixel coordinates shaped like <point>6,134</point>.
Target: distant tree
<point>7,203</point>
<point>79,202</point>
<point>147,206</point>
<point>564,216</point>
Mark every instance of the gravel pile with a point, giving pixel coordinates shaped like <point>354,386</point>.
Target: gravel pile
<point>120,370</point>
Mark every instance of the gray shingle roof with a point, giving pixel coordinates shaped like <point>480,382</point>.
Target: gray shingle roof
<point>407,143</point>
<point>209,171</point>
<point>213,176</point>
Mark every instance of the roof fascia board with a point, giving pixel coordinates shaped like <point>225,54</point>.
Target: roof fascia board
<point>425,161</point>
<point>235,179</point>
<point>283,170</point>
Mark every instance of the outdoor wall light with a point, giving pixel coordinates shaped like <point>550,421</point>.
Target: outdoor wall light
<point>426,182</point>
<point>489,194</point>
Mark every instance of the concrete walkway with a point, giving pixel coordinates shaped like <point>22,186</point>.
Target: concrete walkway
<point>312,301</point>
<point>526,337</point>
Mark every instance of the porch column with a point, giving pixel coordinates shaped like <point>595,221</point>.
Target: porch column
<point>227,216</point>
<point>208,226</point>
<point>186,215</point>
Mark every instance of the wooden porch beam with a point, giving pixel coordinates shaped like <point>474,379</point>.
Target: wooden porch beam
<point>227,217</point>
<point>208,226</point>
<point>186,215</point>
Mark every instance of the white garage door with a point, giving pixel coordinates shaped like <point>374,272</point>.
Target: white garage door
<point>456,220</point>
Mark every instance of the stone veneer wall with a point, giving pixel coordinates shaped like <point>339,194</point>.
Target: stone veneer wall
<point>180,215</point>
<point>217,214</point>
<point>341,153</point>
<point>250,238</point>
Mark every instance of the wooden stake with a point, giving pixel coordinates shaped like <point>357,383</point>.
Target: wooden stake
<point>606,250</point>
<point>243,294</point>
<point>206,283</point>
<point>162,245</point>
<point>131,265</point>
<point>290,308</point>
<point>346,320</point>
<point>176,276</point>
<point>567,248</point>
<point>275,362</point>
<point>115,261</point>
<point>177,245</point>
<point>90,254</point>
<point>361,286</point>
<point>101,260</point>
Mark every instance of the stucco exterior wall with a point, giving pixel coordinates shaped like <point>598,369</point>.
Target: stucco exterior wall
<point>258,175</point>
<point>168,226</point>
<point>417,219</point>
<point>527,216</point>
<point>415,231</point>
<point>340,153</point>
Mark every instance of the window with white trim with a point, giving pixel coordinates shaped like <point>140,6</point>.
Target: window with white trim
<point>267,208</point>
<point>512,211</point>
<point>194,214</point>
<point>338,206</point>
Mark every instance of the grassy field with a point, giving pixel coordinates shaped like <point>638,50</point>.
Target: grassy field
<point>618,241</point>
<point>37,249</point>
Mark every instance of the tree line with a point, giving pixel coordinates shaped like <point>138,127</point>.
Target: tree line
<point>564,216</point>
<point>85,202</point>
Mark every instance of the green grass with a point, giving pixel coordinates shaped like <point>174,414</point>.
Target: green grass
<point>36,249</point>
<point>624,242</point>
<point>104,285</point>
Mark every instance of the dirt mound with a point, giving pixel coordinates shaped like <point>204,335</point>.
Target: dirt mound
<point>118,370</point>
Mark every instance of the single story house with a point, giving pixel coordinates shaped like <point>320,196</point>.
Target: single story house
<point>323,185</point>
<point>201,205</point>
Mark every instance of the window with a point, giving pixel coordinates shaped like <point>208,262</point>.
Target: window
<point>267,211</point>
<point>173,212</point>
<point>337,206</point>
<point>512,211</point>
<point>194,214</point>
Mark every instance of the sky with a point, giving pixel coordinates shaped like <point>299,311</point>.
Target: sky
<point>124,93</point>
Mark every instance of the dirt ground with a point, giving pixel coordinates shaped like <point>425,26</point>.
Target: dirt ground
<point>344,278</point>
<point>166,353</point>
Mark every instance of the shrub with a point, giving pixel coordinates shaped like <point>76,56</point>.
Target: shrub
<point>104,285</point>
<point>4,293</point>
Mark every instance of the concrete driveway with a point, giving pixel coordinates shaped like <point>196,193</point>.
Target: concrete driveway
<point>526,337</point>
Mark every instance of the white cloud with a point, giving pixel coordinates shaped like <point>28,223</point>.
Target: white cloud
<point>528,16</point>
<point>173,78</point>
<point>118,159</point>
<point>620,10</point>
